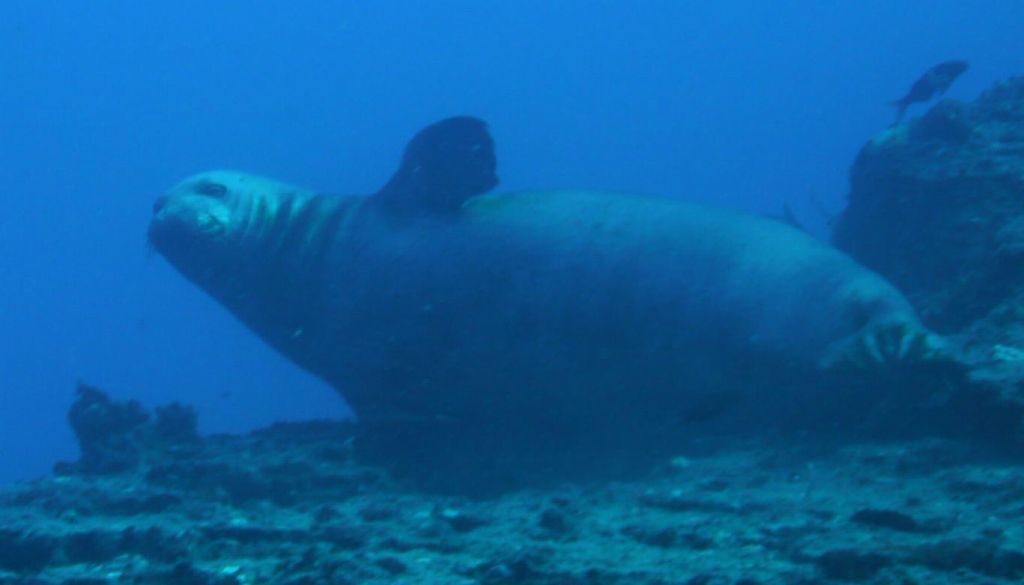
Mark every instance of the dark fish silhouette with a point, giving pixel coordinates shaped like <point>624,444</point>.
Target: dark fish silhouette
<point>934,82</point>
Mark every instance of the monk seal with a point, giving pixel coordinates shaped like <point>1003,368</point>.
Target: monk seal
<point>433,300</point>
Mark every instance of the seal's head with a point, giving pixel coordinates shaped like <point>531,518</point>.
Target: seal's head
<point>194,213</point>
<point>216,227</point>
<point>198,222</point>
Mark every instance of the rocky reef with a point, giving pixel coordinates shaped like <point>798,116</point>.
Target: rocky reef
<point>151,502</point>
<point>937,206</point>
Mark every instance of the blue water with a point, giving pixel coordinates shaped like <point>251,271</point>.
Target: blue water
<point>105,104</point>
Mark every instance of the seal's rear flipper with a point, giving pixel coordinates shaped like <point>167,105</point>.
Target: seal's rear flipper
<point>444,165</point>
<point>884,343</point>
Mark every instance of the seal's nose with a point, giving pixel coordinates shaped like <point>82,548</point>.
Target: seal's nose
<point>159,204</point>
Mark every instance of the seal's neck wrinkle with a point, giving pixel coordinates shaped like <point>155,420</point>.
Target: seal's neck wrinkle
<point>291,237</point>
<point>297,228</point>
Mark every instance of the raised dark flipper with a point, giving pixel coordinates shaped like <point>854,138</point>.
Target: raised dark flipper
<point>444,165</point>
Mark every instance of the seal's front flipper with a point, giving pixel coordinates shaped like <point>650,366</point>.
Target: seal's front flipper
<point>444,165</point>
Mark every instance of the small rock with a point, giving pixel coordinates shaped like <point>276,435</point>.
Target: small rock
<point>392,565</point>
<point>851,565</point>
<point>659,537</point>
<point>185,573</point>
<point>554,521</point>
<point>696,541</point>
<point>345,537</point>
<point>891,519</point>
<point>518,567</point>
<point>93,546</point>
<point>23,551</point>
<point>706,579</point>
<point>981,555</point>
<point>325,514</point>
<point>678,501</point>
<point>176,422</point>
<point>108,432</point>
<point>377,513</point>
<point>462,521</point>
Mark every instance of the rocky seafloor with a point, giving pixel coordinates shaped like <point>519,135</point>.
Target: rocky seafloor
<point>151,502</point>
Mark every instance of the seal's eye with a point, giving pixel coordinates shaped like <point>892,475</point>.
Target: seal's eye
<point>211,189</point>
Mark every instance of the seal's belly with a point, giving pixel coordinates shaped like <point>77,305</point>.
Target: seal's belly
<point>459,319</point>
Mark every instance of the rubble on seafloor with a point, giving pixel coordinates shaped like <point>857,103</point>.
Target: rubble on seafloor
<point>151,502</point>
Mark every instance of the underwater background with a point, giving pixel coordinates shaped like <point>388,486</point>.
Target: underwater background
<point>104,105</point>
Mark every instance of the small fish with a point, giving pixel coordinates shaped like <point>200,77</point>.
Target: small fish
<point>934,82</point>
